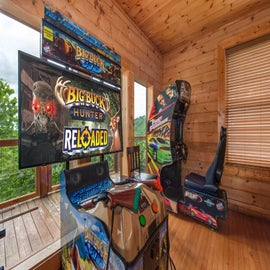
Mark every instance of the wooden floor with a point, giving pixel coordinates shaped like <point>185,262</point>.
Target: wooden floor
<point>31,228</point>
<point>241,242</point>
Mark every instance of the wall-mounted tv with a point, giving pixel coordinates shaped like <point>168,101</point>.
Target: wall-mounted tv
<point>64,115</point>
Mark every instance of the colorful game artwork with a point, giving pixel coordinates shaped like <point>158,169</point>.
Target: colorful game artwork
<point>63,115</point>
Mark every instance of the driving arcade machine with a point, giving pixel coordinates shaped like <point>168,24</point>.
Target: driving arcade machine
<point>199,196</point>
<point>111,226</point>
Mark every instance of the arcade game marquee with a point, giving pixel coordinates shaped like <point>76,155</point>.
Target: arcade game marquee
<point>73,111</point>
<point>200,196</point>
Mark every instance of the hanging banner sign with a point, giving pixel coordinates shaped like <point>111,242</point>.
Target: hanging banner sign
<point>63,115</point>
<point>65,24</point>
<point>59,46</point>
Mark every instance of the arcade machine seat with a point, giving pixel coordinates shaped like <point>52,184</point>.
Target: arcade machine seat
<point>210,182</point>
<point>134,164</point>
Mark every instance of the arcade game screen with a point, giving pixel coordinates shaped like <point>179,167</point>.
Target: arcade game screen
<point>64,115</point>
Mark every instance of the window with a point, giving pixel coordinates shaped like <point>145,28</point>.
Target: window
<point>14,36</point>
<point>140,121</point>
<point>248,103</point>
<point>13,182</point>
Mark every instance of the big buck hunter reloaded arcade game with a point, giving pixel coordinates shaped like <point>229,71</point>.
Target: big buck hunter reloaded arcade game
<point>70,111</point>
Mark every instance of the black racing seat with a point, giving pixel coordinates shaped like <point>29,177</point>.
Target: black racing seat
<point>211,180</point>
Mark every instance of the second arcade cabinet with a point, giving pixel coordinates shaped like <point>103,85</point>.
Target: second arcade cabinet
<point>199,196</point>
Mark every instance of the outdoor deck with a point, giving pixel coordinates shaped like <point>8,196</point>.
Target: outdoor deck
<point>32,231</point>
<point>241,241</point>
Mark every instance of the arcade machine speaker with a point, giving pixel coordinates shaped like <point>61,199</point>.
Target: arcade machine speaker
<point>111,226</point>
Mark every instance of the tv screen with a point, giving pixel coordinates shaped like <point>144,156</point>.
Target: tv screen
<point>64,115</point>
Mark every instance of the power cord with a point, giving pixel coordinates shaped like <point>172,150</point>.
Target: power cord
<point>170,260</point>
<point>172,265</point>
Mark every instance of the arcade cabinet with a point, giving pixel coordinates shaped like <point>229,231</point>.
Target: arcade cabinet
<point>72,111</point>
<point>200,196</point>
<point>111,226</point>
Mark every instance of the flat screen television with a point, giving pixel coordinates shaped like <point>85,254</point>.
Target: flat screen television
<point>64,115</point>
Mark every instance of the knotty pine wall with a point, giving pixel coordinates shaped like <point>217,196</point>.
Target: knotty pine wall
<point>201,62</point>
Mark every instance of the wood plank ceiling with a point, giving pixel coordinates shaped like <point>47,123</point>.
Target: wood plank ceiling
<point>172,23</point>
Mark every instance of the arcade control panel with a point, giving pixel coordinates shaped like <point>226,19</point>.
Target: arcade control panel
<point>132,214</point>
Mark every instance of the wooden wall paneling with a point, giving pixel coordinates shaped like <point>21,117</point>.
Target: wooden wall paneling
<point>248,198</point>
<point>195,76</point>
<point>143,77</point>
<point>127,116</point>
<point>187,69</point>
<point>248,185</point>
<point>203,136</point>
<point>248,188</point>
<point>200,51</point>
<point>198,107</point>
<point>198,127</point>
<point>203,155</point>
<point>150,98</point>
<point>248,209</point>
<point>247,173</point>
<point>202,125</point>
<point>203,99</point>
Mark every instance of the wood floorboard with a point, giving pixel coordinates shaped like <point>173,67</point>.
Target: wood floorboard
<point>43,230</point>
<point>240,242</point>
<point>23,242</point>
<point>48,218</point>
<point>32,231</point>
<point>10,241</point>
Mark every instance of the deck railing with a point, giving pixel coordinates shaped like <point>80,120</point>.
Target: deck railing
<point>19,185</point>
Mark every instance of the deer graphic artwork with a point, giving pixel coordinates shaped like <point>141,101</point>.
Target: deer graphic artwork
<point>116,142</point>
